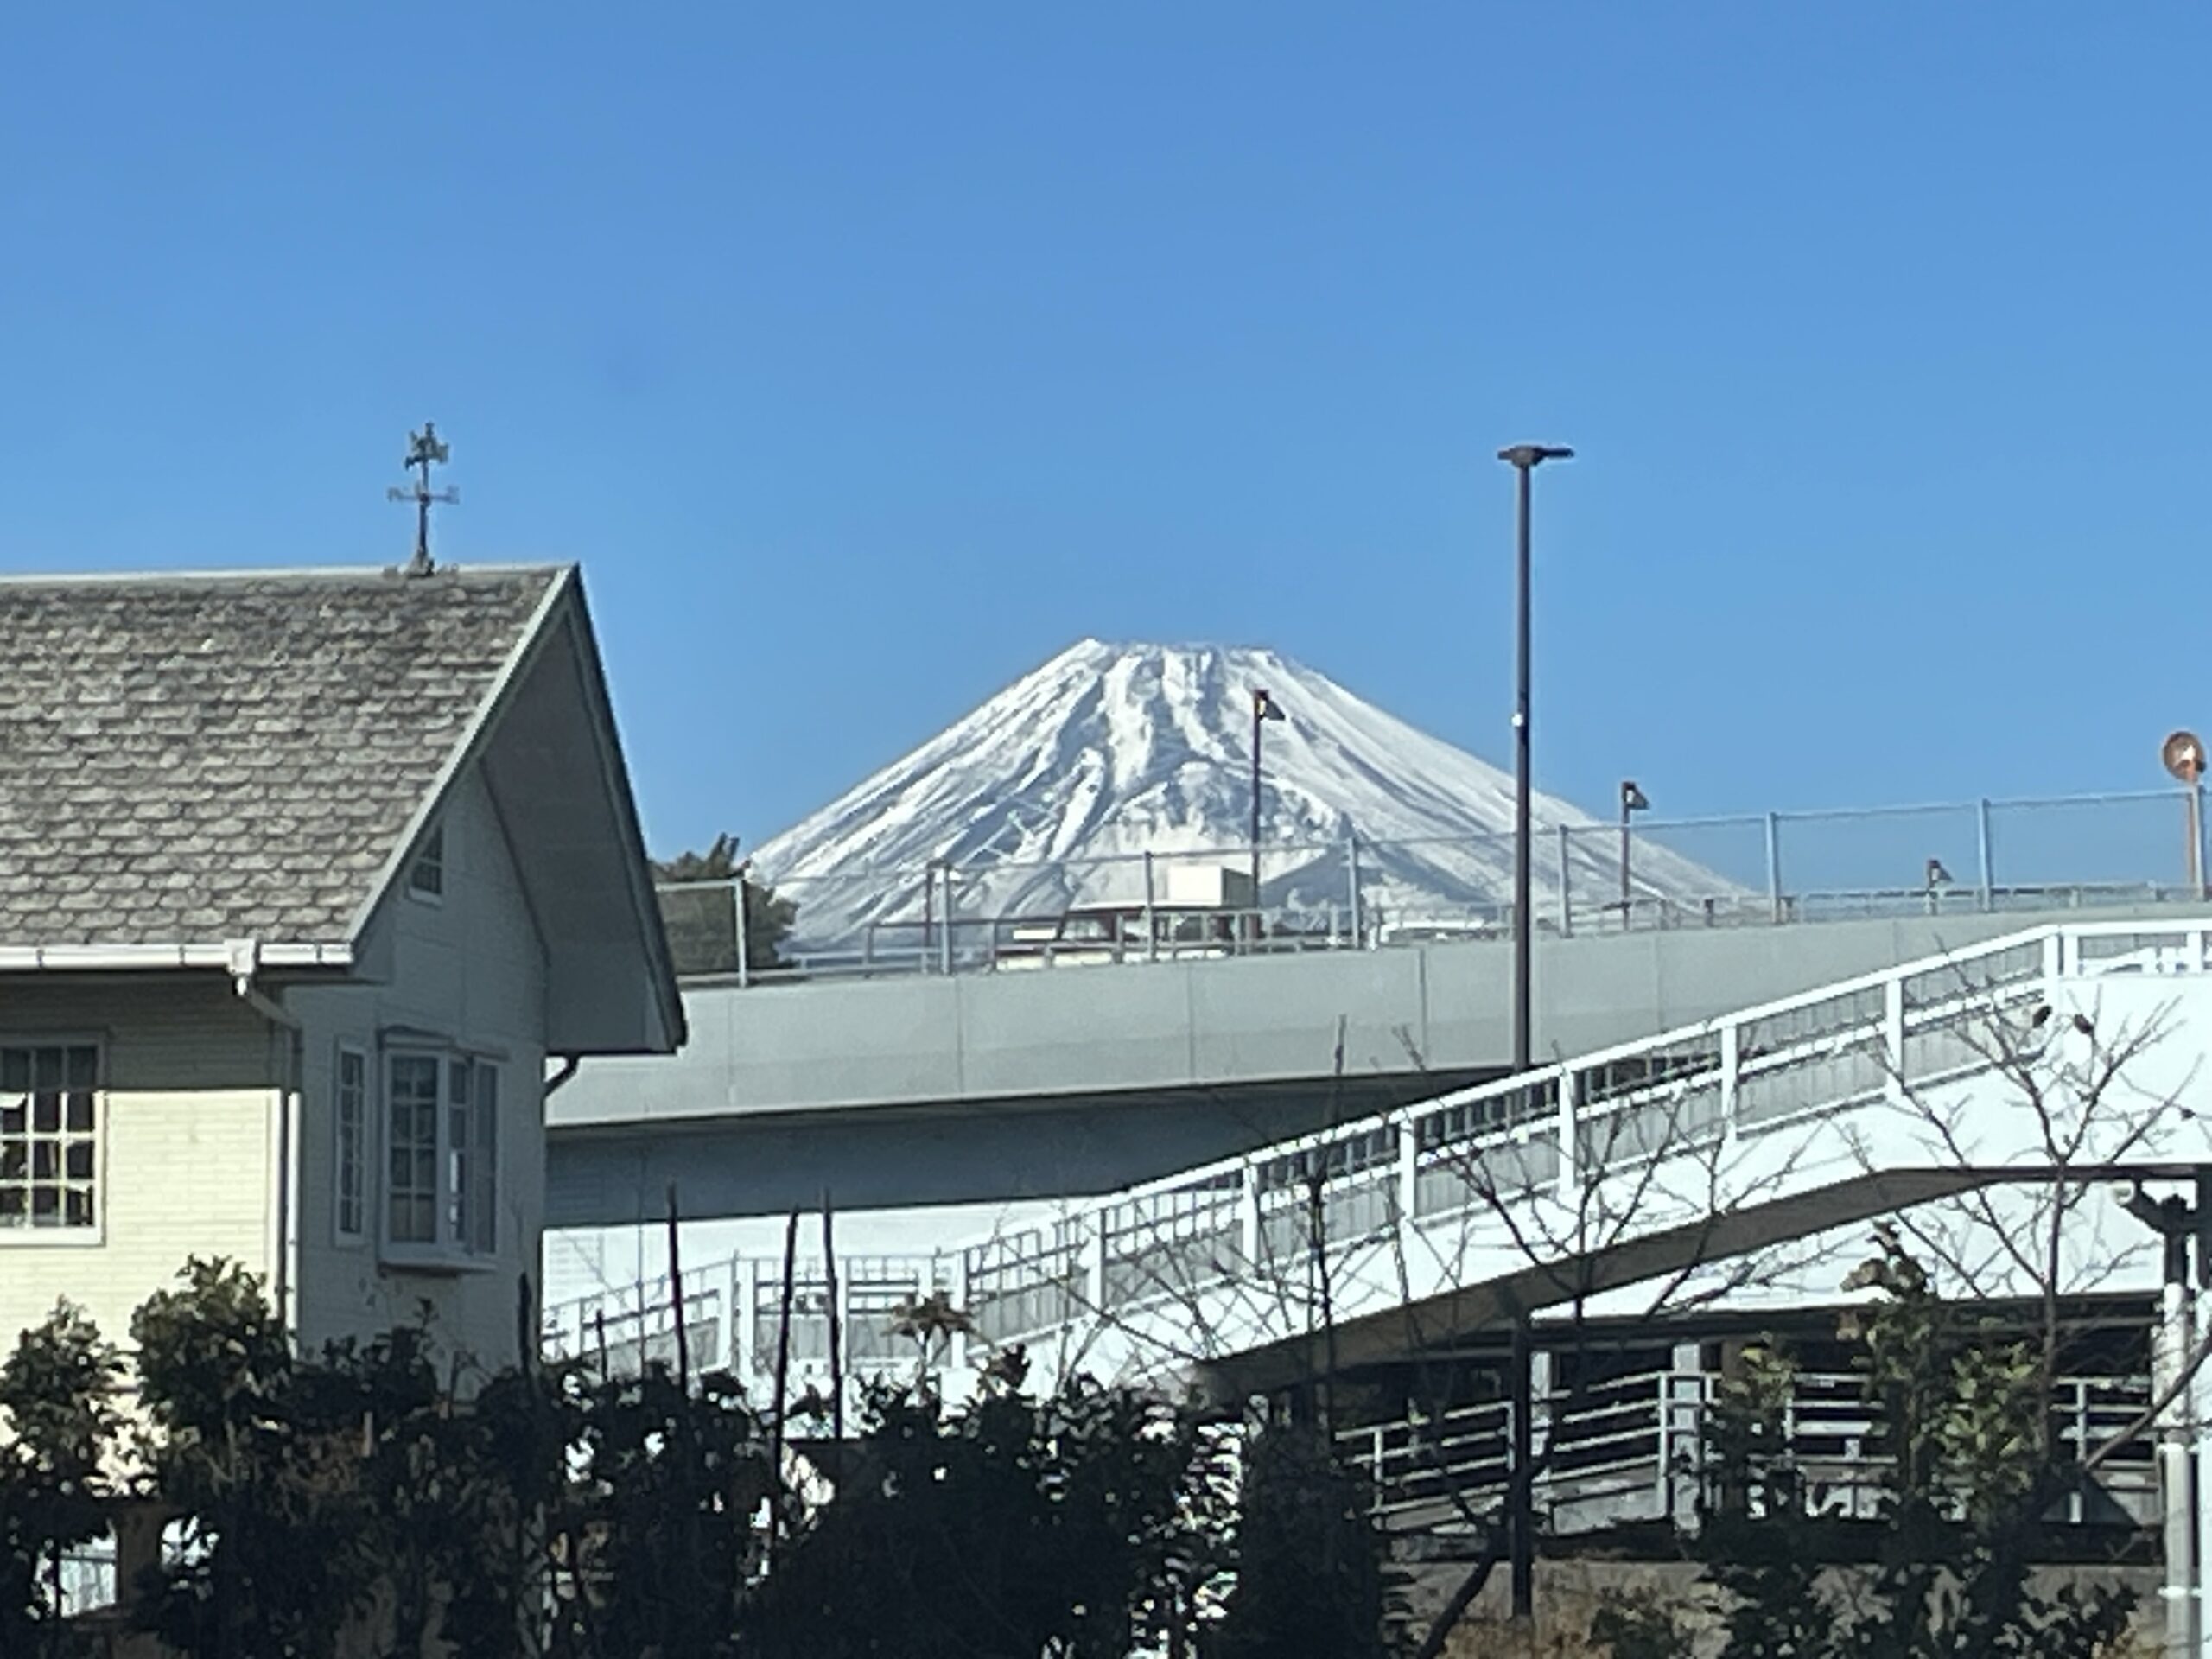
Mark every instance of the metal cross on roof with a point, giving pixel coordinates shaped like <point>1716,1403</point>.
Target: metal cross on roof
<point>424,450</point>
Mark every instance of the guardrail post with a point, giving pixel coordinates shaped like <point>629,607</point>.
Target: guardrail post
<point>1094,1260</point>
<point>1988,863</point>
<point>737,911</point>
<point>1569,1152</point>
<point>1408,1189</point>
<point>1247,1213</point>
<point>1543,1388</point>
<point>1893,1040</point>
<point>2077,1500</point>
<point>924,1288</point>
<point>957,1290</point>
<point>1774,863</point>
<point>1566,899</point>
<point>1151,918</point>
<point>1351,889</point>
<point>1683,1407</point>
<point>2202,830</point>
<point>1731,1064</point>
<point>742,1313</point>
<point>945,945</point>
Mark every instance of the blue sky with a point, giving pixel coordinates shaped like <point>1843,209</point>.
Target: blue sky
<point>867,356</point>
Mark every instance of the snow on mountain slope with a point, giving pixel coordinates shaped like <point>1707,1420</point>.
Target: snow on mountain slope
<point>1051,792</point>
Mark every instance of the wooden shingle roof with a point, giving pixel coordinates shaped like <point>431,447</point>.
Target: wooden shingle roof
<point>189,760</point>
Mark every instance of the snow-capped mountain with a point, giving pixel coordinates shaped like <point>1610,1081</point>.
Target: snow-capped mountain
<point>1050,793</point>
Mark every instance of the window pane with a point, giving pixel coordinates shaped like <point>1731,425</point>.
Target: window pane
<point>484,1196</point>
<point>49,1157</point>
<point>458,1184</point>
<point>426,874</point>
<point>352,1143</point>
<point>412,1149</point>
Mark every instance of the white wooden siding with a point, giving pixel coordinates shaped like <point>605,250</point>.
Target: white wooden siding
<point>189,1119</point>
<point>470,969</point>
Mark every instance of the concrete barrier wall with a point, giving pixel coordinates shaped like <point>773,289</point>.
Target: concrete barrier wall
<point>1080,1033</point>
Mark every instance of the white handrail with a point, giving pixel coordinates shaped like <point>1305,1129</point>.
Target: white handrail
<point>1070,1273</point>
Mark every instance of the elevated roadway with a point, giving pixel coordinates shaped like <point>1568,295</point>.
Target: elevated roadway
<point>1084,1079</point>
<point>1923,1081</point>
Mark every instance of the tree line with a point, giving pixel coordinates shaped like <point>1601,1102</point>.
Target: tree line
<point>549,1512</point>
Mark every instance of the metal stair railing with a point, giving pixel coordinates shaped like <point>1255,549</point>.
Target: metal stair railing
<point>1217,1252</point>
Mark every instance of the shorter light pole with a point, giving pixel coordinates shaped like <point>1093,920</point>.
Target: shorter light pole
<point>2183,754</point>
<point>1632,800</point>
<point>1264,708</point>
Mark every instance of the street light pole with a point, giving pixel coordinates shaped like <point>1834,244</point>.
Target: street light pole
<point>1264,708</point>
<point>1259,702</point>
<point>1252,924</point>
<point>1524,458</point>
<point>1632,800</point>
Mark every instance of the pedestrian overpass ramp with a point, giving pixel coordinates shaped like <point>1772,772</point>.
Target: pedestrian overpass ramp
<point>994,1087</point>
<point>1708,1161</point>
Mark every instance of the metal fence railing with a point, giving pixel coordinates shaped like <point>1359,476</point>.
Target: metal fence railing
<point>1399,1195</point>
<point>1986,856</point>
<point>1631,1449</point>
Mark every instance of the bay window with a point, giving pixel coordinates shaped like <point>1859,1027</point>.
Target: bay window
<point>441,1140</point>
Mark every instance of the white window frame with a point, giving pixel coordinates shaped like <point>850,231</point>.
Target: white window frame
<point>353,1146</point>
<point>93,1232</point>
<point>461,1158</point>
<point>428,870</point>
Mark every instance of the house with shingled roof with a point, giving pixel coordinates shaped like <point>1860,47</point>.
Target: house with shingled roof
<point>313,885</point>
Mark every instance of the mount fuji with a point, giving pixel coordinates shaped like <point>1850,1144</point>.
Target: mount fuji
<point>1052,792</point>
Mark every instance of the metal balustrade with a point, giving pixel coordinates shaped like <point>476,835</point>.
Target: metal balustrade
<point>1629,1450</point>
<point>1226,1257</point>
<point>2068,853</point>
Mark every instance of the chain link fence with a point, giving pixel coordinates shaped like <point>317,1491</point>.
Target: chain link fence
<point>1351,893</point>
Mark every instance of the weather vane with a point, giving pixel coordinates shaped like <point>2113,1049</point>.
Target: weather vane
<point>425,449</point>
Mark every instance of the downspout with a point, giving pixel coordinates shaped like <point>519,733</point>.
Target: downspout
<point>245,962</point>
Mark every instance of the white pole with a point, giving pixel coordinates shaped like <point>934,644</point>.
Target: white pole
<point>2197,1322</point>
<point>2179,1591</point>
<point>2200,1412</point>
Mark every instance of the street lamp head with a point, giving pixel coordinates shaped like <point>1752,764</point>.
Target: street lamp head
<point>1526,456</point>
